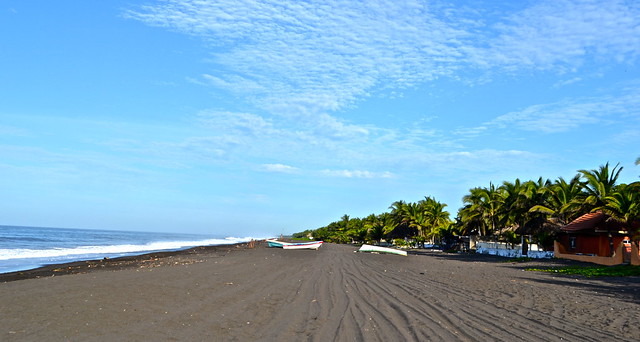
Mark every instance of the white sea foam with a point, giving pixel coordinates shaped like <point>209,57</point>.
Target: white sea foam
<point>9,254</point>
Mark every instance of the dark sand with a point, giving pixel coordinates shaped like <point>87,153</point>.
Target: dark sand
<point>234,293</point>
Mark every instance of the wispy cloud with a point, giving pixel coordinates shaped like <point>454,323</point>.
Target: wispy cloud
<point>563,83</point>
<point>470,131</point>
<point>572,113</point>
<point>246,123</point>
<point>564,34</point>
<point>304,58</point>
<point>280,168</point>
<point>300,63</point>
<point>312,57</point>
<point>356,174</point>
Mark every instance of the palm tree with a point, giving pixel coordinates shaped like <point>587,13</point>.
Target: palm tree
<point>435,215</point>
<point>532,194</point>
<point>512,207</point>
<point>416,218</point>
<point>378,226</point>
<point>623,205</point>
<point>398,211</point>
<point>560,199</point>
<point>599,184</point>
<point>482,210</point>
<point>447,234</point>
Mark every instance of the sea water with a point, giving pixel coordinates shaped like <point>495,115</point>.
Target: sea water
<point>23,248</point>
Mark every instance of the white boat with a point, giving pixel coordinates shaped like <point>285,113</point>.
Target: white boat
<point>294,245</point>
<point>313,245</point>
<point>276,243</point>
<point>378,249</point>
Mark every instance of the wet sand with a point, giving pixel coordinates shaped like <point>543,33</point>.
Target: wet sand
<point>235,293</point>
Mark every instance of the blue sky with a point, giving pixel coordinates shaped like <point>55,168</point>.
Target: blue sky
<point>271,117</point>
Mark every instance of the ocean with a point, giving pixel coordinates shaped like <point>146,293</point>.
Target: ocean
<point>23,248</point>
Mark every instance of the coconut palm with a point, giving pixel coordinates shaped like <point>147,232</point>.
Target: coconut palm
<point>512,207</point>
<point>416,218</point>
<point>623,205</point>
<point>447,234</point>
<point>482,210</point>
<point>598,185</point>
<point>399,211</point>
<point>378,226</point>
<point>558,201</point>
<point>531,193</point>
<point>435,215</point>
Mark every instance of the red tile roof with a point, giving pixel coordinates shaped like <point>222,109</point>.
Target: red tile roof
<point>585,222</point>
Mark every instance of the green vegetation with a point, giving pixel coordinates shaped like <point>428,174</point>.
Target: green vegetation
<point>302,235</point>
<point>594,271</point>
<point>535,208</point>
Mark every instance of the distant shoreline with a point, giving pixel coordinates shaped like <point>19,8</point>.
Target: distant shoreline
<point>117,263</point>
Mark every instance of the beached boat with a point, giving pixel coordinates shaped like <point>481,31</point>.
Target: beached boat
<point>275,243</point>
<point>378,249</point>
<point>281,244</point>
<point>306,245</point>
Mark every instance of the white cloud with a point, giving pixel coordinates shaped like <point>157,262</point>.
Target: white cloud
<point>572,113</point>
<point>211,147</point>
<point>563,83</point>
<point>318,56</point>
<point>356,174</point>
<point>281,168</point>
<point>246,123</point>
<point>563,34</point>
<point>470,131</point>
<point>298,62</point>
<point>303,59</point>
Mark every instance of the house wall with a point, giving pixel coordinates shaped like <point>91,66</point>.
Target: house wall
<point>616,259</point>
<point>597,245</point>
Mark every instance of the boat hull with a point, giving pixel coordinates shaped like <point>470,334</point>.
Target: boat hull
<point>315,245</point>
<point>378,249</point>
<point>297,245</point>
<point>275,243</point>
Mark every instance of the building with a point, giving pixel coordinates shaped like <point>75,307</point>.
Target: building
<point>595,238</point>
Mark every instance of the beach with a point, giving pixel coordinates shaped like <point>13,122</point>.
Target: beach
<point>236,293</point>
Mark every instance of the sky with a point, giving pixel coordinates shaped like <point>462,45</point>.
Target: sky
<point>271,117</point>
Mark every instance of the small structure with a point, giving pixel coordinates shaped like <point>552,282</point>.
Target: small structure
<point>594,238</point>
<point>512,250</point>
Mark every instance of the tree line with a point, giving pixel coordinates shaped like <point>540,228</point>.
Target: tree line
<point>535,208</point>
